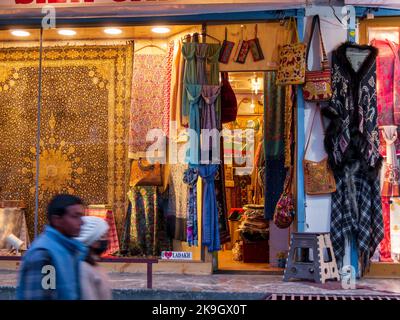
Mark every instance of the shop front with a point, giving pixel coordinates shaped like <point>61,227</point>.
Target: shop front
<point>84,103</point>
<point>110,106</point>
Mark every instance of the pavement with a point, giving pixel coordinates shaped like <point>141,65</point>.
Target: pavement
<point>132,286</point>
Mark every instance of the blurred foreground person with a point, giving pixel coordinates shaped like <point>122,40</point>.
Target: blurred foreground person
<point>50,268</point>
<point>95,283</point>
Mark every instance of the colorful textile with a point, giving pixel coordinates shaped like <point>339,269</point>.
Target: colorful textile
<point>210,237</point>
<point>201,56</point>
<point>289,134</point>
<point>275,117</point>
<point>388,87</point>
<point>388,82</point>
<point>84,121</point>
<point>178,194</point>
<point>356,212</point>
<point>190,74</point>
<point>148,103</point>
<point>385,254</point>
<point>190,178</point>
<point>391,181</point>
<point>395,228</point>
<point>12,221</point>
<point>353,130</point>
<point>168,88</point>
<point>108,216</point>
<point>147,236</point>
<point>194,97</point>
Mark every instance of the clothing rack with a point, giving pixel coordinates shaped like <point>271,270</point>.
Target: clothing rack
<point>203,34</point>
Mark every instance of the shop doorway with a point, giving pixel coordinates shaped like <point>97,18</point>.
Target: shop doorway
<point>244,159</point>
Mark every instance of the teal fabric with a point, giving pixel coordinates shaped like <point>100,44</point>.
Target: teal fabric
<point>211,237</point>
<point>194,96</point>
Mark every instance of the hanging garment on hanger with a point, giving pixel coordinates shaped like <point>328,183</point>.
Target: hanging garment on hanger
<point>210,237</point>
<point>189,78</point>
<point>148,106</point>
<point>194,97</point>
<point>201,57</point>
<point>210,95</point>
<point>190,178</point>
<point>353,134</point>
<point>388,87</point>
<point>391,180</point>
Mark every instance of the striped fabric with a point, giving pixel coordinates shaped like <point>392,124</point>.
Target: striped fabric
<point>108,215</point>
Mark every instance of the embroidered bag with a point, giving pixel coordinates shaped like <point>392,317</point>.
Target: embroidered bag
<point>318,177</point>
<point>284,210</point>
<point>318,83</point>
<point>242,50</point>
<point>292,60</point>
<point>226,50</point>
<point>255,47</point>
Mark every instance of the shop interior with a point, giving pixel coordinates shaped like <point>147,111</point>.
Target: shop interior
<point>104,86</point>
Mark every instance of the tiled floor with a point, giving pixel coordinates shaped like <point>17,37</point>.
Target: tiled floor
<point>243,284</point>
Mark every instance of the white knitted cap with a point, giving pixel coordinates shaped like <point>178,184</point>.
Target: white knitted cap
<point>93,229</point>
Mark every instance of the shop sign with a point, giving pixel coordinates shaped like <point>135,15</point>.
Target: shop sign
<point>176,255</point>
<point>70,3</point>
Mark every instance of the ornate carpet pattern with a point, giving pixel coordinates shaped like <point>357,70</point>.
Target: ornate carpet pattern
<point>84,125</point>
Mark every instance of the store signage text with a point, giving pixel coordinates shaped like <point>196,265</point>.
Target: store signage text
<point>176,255</point>
<point>77,1</point>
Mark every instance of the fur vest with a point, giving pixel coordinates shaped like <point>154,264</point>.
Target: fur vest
<point>353,135</point>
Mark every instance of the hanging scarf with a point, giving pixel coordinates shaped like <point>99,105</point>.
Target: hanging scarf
<point>194,95</point>
<point>190,178</point>
<point>391,179</point>
<point>211,237</point>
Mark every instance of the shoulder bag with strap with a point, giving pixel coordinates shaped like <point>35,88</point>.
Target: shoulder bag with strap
<point>318,85</point>
<point>285,211</point>
<point>318,177</point>
<point>292,59</point>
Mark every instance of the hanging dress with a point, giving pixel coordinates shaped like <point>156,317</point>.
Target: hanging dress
<point>190,178</point>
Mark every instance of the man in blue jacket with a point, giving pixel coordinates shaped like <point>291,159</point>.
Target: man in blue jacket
<point>50,268</point>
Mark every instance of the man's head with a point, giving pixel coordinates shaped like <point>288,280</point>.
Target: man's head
<point>64,213</point>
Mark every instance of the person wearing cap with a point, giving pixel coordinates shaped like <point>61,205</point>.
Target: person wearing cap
<point>95,284</point>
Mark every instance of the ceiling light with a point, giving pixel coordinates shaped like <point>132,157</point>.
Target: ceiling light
<point>161,30</point>
<point>20,33</point>
<point>66,32</point>
<point>113,31</point>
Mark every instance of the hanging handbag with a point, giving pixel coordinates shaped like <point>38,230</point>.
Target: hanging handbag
<point>292,60</point>
<point>229,107</point>
<point>284,210</point>
<point>318,177</point>
<point>145,174</point>
<point>318,85</point>
<point>242,50</point>
<point>255,47</point>
<point>226,49</point>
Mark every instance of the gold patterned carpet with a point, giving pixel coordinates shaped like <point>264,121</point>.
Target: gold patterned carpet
<point>84,122</point>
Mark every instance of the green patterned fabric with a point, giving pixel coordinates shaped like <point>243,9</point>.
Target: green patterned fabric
<point>275,117</point>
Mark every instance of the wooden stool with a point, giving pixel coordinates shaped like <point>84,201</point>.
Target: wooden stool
<point>299,266</point>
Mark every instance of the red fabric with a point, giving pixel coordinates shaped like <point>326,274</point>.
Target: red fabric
<point>388,87</point>
<point>385,247</point>
<point>108,215</point>
<point>229,106</point>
